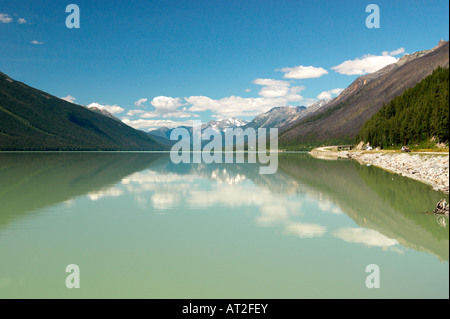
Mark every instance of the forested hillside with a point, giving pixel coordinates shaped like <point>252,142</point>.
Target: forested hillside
<point>33,120</point>
<point>341,119</point>
<point>415,117</point>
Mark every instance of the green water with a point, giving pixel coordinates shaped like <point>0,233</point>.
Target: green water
<point>139,226</point>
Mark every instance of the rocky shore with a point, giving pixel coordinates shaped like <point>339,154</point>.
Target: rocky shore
<point>431,169</point>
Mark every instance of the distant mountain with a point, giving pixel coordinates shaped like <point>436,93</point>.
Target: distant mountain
<point>161,140</point>
<point>219,126</point>
<point>163,132</point>
<point>32,120</point>
<point>283,116</point>
<point>340,120</point>
<point>224,124</point>
<point>277,117</point>
<point>102,112</point>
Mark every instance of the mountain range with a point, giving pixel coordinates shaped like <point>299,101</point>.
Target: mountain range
<point>283,116</point>
<point>219,126</point>
<point>274,118</point>
<point>32,120</point>
<point>340,120</point>
<point>162,135</point>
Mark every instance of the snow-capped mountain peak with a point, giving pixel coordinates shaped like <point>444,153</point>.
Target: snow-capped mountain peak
<point>222,125</point>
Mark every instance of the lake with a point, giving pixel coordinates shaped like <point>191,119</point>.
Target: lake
<point>139,226</point>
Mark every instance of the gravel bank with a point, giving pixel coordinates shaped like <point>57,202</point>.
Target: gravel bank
<point>429,169</point>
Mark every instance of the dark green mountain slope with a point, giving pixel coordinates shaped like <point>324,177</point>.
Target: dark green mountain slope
<point>32,120</point>
<point>415,116</point>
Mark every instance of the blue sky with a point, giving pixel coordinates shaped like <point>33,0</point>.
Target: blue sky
<point>203,60</point>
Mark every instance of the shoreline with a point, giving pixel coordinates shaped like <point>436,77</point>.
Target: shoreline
<point>429,168</point>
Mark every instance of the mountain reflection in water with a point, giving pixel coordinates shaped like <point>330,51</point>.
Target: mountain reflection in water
<point>156,229</point>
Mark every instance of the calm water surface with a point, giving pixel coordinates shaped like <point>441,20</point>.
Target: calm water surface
<point>139,226</point>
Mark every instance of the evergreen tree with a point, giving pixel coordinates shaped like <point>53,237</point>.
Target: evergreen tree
<point>414,117</point>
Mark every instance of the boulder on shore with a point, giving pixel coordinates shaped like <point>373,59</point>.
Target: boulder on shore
<point>442,207</point>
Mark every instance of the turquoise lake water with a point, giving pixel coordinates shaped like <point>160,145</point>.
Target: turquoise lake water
<point>139,226</point>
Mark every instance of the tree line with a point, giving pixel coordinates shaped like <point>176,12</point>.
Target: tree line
<point>418,116</point>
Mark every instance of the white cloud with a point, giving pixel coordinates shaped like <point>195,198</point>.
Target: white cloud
<point>180,114</point>
<point>150,177</point>
<point>272,214</point>
<point>164,107</point>
<point>275,209</point>
<point>21,21</point>
<point>148,115</point>
<point>278,91</point>
<point>164,200</point>
<point>36,42</point>
<point>326,95</point>
<point>394,53</point>
<point>69,98</point>
<point>305,230</point>
<point>336,91</point>
<point>293,95</point>
<point>364,236</point>
<point>398,51</point>
<point>135,112</point>
<point>110,192</point>
<point>273,93</point>
<point>113,109</point>
<point>238,106</point>
<point>176,114</point>
<point>165,104</point>
<point>303,72</point>
<point>271,82</point>
<point>149,124</point>
<point>296,89</point>
<point>5,18</point>
<point>367,64</point>
<point>140,102</point>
